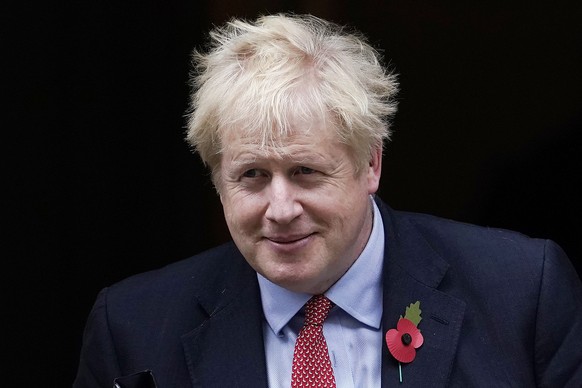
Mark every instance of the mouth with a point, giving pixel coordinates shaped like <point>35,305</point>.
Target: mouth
<point>289,240</point>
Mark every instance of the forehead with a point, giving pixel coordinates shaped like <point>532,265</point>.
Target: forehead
<point>297,134</point>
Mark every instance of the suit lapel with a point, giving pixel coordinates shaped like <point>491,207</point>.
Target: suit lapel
<point>412,272</point>
<point>227,349</point>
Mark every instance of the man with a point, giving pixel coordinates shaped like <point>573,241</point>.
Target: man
<point>290,113</point>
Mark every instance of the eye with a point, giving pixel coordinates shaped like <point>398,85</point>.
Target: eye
<point>252,173</point>
<point>305,170</point>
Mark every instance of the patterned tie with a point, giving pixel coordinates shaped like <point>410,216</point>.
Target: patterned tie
<point>311,363</point>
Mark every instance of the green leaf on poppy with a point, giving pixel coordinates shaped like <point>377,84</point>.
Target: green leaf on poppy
<point>413,313</point>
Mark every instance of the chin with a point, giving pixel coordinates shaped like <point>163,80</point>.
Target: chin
<point>289,279</point>
<point>308,285</point>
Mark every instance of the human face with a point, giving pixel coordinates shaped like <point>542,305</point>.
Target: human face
<point>298,212</point>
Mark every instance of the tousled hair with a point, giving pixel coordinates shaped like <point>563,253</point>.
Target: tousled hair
<point>258,76</point>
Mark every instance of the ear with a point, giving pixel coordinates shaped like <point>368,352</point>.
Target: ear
<point>374,170</point>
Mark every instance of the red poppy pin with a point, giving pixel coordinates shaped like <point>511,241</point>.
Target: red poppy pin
<point>406,338</point>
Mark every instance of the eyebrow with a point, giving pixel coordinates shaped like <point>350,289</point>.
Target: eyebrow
<point>295,158</point>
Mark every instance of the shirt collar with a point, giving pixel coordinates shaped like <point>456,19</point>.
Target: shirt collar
<point>358,292</point>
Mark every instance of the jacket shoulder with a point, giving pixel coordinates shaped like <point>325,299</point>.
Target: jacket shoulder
<point>465,241</point>
<point>181,291</point>
<point>193,273</point>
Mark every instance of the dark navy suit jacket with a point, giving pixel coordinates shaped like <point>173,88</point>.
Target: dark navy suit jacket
<point>499,310</point>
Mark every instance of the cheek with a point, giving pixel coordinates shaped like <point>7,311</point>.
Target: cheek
<point>241,212</point>
<point>350,215</point>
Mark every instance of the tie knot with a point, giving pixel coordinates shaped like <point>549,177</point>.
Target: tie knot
<point>316,310</point>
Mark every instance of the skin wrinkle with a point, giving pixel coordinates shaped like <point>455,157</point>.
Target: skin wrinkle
<point>285,204</point>
<point>290,114</point>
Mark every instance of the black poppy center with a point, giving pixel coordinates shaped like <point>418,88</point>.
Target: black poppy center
<point>406,339</point>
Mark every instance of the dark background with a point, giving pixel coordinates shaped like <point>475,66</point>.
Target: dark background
<point>101,184</point>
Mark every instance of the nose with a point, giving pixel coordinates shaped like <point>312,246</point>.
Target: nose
<point>283,205</point>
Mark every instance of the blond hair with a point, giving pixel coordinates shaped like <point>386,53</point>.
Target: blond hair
<point>257,76</point>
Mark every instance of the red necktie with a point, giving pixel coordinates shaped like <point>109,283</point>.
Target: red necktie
<point>311,363</point>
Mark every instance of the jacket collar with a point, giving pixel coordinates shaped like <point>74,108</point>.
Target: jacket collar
<point>412,272</point>
<point>227,349</point>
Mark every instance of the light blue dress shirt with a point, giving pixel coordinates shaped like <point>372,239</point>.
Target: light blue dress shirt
<point>352,330</point>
